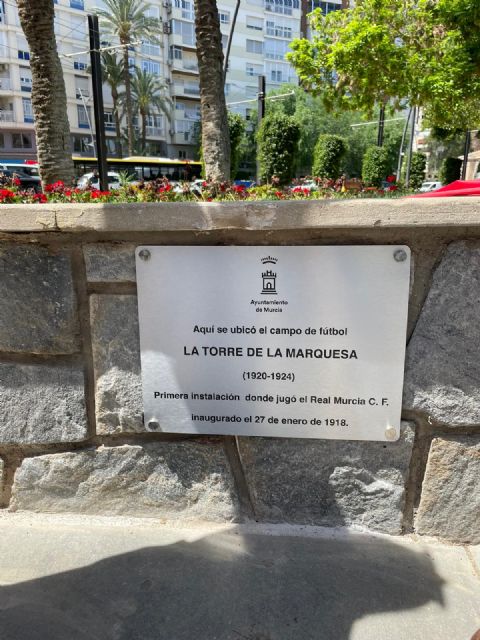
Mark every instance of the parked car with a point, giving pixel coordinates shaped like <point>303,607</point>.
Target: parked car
<point>28,174</point>
<point>91,180</point>
<point>430,185</point>
<point>26,182</point>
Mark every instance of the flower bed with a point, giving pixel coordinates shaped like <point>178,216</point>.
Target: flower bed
<point>164,191</point>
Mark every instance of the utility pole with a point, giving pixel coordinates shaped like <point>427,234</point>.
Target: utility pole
<point>466,151</point>
<point>381,126</point>
<point>410,147</point>
<point>260,114</point>
<point>95,63</point>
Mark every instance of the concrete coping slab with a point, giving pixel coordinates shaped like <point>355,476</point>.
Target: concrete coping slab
<point>263,215</point>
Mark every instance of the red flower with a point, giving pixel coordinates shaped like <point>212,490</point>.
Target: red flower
<point>297,190</point>
<point>204,183</point>
<point>55,187</point>
<point>239,188</point>
<point>279,194</point>
<point>306,192</point>
<point>391,179</point>
<point>168,187</point>
<point>16,182</point>
<point>40,197</point>
<point>6,194</point>
<point>68,193</point>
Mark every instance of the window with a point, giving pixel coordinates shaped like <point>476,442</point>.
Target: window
<point>77,4</point>
<point>325,7</point>
<point>251,91</point>
<point>279,29</point>
<point>83,117</point>
<point>281,6</point>
<point>187,9</point>
<point>276,49</point>
<point>185,30</point>
<point>151,67</point>
<point>152,12</point>
<point>23,55</point>
<point>79,66</point>
<point>150,48</point>
<point>109,120</point>
<point>182,154</point>
<point>82,144</point>
<point>255,46</point>
<point>27,110</point>
<point>2,17</point>
<point>2,141</point>
<point>224,17</point>
<point>78,30</point>
<point>21,141</point>
<point>279,72</point>
<point>275,75</point>
<point>254,23</point>
<point>175,53</point>
<point>224,41</point>
<point>81,87</point>
<point>253,69</point>
<point>191,88</point>
<point>25,79</point>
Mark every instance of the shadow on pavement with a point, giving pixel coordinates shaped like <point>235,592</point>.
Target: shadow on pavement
<point>224,587</point>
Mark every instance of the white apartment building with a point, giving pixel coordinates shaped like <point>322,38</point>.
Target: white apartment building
<point>263,32</point>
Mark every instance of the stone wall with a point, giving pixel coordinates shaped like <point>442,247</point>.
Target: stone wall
<point>72,437</point>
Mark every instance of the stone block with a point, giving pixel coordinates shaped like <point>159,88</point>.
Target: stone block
<point>116,357</point>
<point>329,482</point>
<point>443,356</point>
<point>169,480</point>
<point>108,262</point>
<point>450,503</point>
<point>41,404</point>
<point>38,313</point>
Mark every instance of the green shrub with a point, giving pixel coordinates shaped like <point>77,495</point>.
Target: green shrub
<point>328,155</point>
<point>278,138</point>
<point>450,170</point>
<point>236,127</point>
<point>417,169</point>
<point>375,166</point>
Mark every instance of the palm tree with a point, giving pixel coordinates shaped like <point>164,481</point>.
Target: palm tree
<point>126,19</point>
<point>148,98</point>
<point>113,74</point>
<point>49,100</point>
<point>215,134</point>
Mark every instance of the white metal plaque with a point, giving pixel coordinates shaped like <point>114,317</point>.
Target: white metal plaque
<point>299,342</point>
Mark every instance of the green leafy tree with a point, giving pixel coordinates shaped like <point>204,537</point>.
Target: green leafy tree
<point>387,52</point>
<point>113,75</point>
<point>375,166</point>
<point>148,98</point>
<point>417,169</point>
<point>450,170</point>
<point>278,138</point>
<point>126,20</point>
<point>236,128</point>
<point>329,153</point>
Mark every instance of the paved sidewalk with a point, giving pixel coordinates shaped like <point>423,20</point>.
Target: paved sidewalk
<point>74,578</point>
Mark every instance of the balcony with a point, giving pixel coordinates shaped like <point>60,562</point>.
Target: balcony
<point>5,84</point>
<point>185,66</point>
<point>154,132</point>
<point>6,116</point>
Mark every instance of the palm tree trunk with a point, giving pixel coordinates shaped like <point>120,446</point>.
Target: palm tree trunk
<point>128,100</point>
<point>144,131</point>
<point>49,99</point>
<point>215,135</point>
<point>118,132</point>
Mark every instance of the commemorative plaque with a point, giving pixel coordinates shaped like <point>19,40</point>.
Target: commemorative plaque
<point>300,342</point>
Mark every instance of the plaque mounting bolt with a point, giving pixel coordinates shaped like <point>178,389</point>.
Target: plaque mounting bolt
<point>390,433</point>
<point>153,425</point>
<point>144,254</point>
<point>399,255</point>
